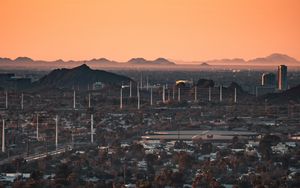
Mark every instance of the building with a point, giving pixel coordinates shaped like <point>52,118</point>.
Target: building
<point>282,77</point>
<point>268,79</point>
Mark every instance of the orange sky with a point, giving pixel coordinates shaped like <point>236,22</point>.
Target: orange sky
<point>122,29</point>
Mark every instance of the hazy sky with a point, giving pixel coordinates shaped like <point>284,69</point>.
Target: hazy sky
<point>175,29</point>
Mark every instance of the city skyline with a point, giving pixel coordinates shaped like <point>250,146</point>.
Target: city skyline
<point>177,30</point>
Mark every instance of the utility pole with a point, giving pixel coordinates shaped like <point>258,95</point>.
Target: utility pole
<point>209,94</point>
<point>138,97</point>
<point>74,99</point>
<point>92,128</point>
<point>37,126</point>
<point>56,131</point>
<point>89,100</point>
<point>6,100</point>
<point>151,96</point>
<point>22,101</point>
<point>178,94</point>
<point>235,95</point>
<point>221,93</point>
<point>3,135</point>
<point>121,98</point>
<point>195,94</point>
<point>130,89</point>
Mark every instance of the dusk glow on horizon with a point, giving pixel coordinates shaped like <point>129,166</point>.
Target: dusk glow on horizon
<point>186,30</point>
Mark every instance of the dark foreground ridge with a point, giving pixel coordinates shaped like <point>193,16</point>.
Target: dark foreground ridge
<point>79,76</point>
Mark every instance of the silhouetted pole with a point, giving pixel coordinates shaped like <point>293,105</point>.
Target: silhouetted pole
<point>173,97</point>
<point>130,89</point>
<point>235,95</point>
<point>221,93</point>
<point>92,128</point>
<point>164,94</point>
<point>147,86</point>
<point>195,94</point>
<point>56,131</point>
<point>121,98</point>
<point>209,94</point>
<point>3,135</point>
<point>22,101</point>
<point>89,100</point>
<point>178,94</point>
<point>151,96</point>
<point>37,126</point>
<point>6,100</point>
<point>74,99</point>
<point>138,97</point>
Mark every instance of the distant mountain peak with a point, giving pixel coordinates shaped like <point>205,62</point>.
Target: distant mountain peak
<point>158,61</point>
<point>23,59</point>
<point>82,67</point>
<point>137,60</point>
<point>274,58</point>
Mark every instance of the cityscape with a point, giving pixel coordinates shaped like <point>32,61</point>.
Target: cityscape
<point>165,109</point>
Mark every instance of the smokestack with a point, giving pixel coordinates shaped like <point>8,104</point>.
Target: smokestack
<point>37,126</point>
<point>3,135</point>
<point>138,96</point>
<point>89,100</point>
<point>178,94</point>
<point>74,99</point>
<point>151,96</point>
<point>56,131</point>
<point>130,89</point>
<point>164,94</point>
<point>235,95</point>
<point>221,93</point>
<point>92,128</point>
<point>196,94</point>
<point>6,100</point>
<point>121,98</point>
<point>22,101</point>
<point>209,94</point>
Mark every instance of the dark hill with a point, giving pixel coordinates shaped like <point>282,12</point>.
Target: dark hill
<point>79,76</point>
<point>205,83</point>
<point>234,85</point>
<point>290,95</point>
